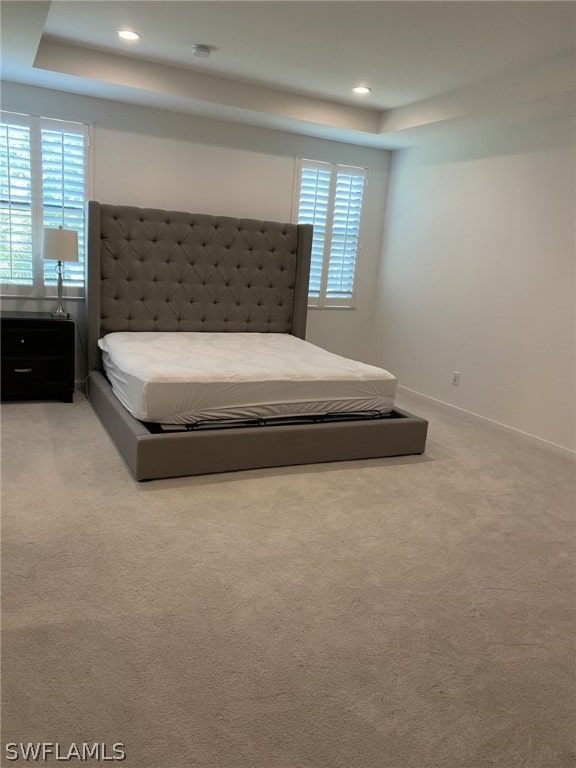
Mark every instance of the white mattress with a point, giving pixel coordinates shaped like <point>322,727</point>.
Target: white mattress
<point>176,378</point>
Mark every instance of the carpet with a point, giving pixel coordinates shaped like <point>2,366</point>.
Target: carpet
<point>413,612</point>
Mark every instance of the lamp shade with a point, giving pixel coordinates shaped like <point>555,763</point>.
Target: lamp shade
<point>60,244</point>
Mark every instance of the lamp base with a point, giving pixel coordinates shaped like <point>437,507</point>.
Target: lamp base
<point>60,312</point>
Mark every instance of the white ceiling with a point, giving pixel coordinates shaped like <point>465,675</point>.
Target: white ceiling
<point>292,65</point>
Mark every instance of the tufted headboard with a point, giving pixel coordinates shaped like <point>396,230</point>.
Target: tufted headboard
<point>155,270</point>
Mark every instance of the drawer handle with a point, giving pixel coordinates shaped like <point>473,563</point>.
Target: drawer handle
<point>22,370</point>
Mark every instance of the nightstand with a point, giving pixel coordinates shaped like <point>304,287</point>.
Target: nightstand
<point>37,356</point>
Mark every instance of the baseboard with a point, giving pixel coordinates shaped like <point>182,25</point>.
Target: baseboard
<point>567,452</point>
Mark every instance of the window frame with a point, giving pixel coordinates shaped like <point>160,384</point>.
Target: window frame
<point>44,286</point>
<point>323,301</point>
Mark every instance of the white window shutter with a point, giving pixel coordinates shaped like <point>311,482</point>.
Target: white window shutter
<point>44,183</point>
<point>345,234</point>
<point>16,199</point>
<point>313,209</point>
<point>330,198</point>
<point>63,191</point>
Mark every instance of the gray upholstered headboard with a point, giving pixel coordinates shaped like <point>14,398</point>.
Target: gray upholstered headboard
<point>155,270</point>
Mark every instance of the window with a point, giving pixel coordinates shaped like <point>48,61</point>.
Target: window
<point>330,198</point>
<point>43,183</point>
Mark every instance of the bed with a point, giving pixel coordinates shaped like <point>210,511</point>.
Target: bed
<point>170,277</point>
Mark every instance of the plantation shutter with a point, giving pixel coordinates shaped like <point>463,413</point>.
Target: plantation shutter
<point>16,200</point>
<point>44,183</point>
<point>330,198</point>
<point>345,233</point>
<point>63,191</point>
<point>313,209</point>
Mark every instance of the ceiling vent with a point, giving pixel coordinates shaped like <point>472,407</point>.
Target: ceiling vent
<point>201,50</point>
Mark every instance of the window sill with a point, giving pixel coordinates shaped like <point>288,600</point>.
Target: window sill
<point>31,297</point>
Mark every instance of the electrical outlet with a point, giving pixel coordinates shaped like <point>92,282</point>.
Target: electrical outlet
<point>456,378</point>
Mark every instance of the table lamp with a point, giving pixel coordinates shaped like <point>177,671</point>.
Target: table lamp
<point>60,245</point>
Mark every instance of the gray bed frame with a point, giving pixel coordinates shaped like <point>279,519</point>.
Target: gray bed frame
<point>156,270</point>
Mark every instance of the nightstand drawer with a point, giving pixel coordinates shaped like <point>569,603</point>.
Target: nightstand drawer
<point>23,371</point>
<point>32,341</point>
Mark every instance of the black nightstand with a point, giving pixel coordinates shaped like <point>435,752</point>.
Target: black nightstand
<point>37,356</point>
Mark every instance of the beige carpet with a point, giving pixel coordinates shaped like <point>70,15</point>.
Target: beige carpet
<point>399,613</point>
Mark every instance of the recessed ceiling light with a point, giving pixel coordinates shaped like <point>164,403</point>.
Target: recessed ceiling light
<point>128,34</point>
<point>362,89</point>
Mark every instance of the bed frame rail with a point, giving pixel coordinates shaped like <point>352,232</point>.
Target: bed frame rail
<point>183,453</point>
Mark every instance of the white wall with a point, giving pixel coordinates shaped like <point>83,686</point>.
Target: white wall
<point>156,158</point>
<point>478,275</point>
